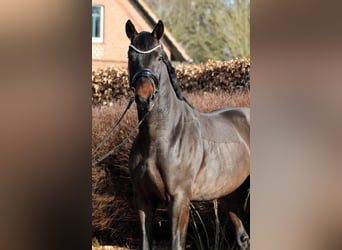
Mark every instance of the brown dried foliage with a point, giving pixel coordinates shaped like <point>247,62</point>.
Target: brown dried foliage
<point>114,219</point>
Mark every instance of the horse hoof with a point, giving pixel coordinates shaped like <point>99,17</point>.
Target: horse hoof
<point>244,243</point>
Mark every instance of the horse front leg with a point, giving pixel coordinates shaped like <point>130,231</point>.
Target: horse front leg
<point>179,217</point>
<point>146,212</point>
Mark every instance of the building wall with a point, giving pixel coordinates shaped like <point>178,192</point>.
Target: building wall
<point>115,44</point>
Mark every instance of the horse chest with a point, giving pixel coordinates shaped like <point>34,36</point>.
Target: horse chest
<point>147,179</point>
<point>167,173</point>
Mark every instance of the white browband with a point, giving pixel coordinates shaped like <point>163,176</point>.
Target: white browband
<point>144,52</point>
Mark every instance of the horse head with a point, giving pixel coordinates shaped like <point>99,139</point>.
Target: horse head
<point>145,55</point>
<point>144,61</point>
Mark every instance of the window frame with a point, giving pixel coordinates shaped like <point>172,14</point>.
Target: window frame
<point>97,39</point>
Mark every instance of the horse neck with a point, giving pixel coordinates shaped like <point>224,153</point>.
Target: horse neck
<point>167,108</point>
<point>167,99</point>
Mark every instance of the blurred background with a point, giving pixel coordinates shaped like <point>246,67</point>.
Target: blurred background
<point>216,29</point>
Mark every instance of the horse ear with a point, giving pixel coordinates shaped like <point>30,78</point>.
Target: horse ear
<point>158,30</point>
<point>131,32</point>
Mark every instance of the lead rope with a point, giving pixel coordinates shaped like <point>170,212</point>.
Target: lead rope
<point>131,100</point>
<point>122,143</point>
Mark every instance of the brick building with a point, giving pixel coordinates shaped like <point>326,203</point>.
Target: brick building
<point>109,40</point>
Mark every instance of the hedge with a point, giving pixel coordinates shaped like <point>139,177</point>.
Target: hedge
<point>111,83</point>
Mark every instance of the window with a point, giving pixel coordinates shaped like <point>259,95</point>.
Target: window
<point>97,23</point>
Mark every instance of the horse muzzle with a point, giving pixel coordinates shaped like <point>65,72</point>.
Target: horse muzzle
<point>145,85</point>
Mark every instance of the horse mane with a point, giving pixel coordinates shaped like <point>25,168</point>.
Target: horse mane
<point>173,77</point>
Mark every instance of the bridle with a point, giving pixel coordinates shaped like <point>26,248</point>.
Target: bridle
<point>145,51</point>
<point>155,81</point>
<point>146,72</point>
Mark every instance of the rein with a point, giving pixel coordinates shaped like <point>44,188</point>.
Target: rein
<point>122,143</point>
<point>131,100</point>
<point>143,72</point>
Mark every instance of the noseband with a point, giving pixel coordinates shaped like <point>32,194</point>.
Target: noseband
<point>146,72</point>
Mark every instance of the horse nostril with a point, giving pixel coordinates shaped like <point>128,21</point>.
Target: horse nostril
<point>139,99</point>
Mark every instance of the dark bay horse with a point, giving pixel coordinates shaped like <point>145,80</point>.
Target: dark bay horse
<point>179,154</point>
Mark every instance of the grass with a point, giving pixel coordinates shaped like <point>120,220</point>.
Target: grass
<point>202,234</point>
<point>115,222</point>
<point>202,237</point>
